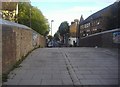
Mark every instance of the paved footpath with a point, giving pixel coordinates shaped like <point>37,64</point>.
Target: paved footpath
<point>67,66</point>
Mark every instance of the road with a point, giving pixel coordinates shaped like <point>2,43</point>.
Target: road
<point>67,66</point>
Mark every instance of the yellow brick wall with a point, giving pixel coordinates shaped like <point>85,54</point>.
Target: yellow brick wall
<point>73,29</point>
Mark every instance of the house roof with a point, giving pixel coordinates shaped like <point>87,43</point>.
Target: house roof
<point>100,13</point>
<point>81,19</point>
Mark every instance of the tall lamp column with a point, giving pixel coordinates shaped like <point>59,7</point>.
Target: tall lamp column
<point>51,26</point>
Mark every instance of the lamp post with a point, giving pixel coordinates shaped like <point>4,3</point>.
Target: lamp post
<point>51,26</point>
<point>30,17</point>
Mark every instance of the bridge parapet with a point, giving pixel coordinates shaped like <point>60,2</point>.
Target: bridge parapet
<point>17,41</point>
<point>110,38</point>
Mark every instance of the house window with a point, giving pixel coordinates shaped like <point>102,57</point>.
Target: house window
<point>87,34</point>
<point>85,26</point>
<point>98,23</point>
<point>95,29</point>
<point>82,26</point>
<point>92,23</point>
<point>88,30</point>
<point>89,24</point>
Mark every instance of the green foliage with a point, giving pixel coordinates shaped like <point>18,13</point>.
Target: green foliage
<point>56,36</point>
<point>63,28</point>
<point>4,77</point>
<point>24,13</point>
<point>32,17</point>
<point>50,37</point>
<point>64,31</point>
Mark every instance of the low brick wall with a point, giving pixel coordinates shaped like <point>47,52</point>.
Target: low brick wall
<point>103,39</point>
<point>42,41</point>
<point>17,41</point>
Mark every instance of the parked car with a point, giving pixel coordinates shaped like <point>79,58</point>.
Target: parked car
<point>50,44</point>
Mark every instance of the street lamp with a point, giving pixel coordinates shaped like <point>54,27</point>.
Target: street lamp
<point>30,17</point>
<point>51,26</point>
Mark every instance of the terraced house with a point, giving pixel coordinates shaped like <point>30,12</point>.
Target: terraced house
<point>103,20</point>
<point>73,30</point>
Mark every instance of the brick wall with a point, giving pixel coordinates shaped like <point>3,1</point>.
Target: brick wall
<point>102,39</point>
<point>8,48</point>
<point>42,41</point>
<point>73,29</point>
<point>17,41</point>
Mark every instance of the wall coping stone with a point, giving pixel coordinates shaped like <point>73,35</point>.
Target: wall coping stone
<point>9,23</point>
<point>114,30</point>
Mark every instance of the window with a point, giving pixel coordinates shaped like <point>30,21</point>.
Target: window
<point>88,30</point>
<point>89,24</point>
<point>94,29</point>
<point>98,23</point>
<point>82,26</point>
<point>85,26</point>
<point>81,31</point>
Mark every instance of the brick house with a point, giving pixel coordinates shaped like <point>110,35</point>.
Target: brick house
<point>73,31</point>
<point>102,20</point>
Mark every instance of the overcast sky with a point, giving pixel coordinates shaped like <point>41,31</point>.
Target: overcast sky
<point>68,10</point>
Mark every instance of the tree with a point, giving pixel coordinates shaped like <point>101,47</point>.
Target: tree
<point>24,13</point>
<point>49,37</point>
<point>56,36</point>
<point>32,17</point>
<point>64,31</point>
<point>63,28</point>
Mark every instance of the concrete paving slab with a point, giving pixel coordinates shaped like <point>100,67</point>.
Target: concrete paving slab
<point>67,82</point>
<point>51,82</point>
<point>30,82</point>
<point>90,82</point>
<point>67,66</point>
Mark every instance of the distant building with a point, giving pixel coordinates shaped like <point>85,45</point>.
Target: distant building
<point>73,31</point>
<point>117,0</point>
<point>78,30</point>
<point>102,20</point>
